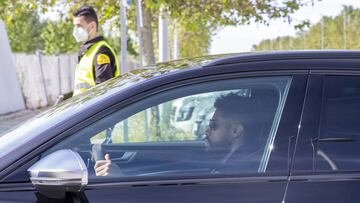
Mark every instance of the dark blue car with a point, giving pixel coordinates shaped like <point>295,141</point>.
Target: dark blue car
<point>302,147</point>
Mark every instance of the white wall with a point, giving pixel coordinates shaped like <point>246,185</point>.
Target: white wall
<point>44,77</point>
<point>11,98</point>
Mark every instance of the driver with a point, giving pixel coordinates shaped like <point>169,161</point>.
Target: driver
<point>232,125</point>
<point>228,129</point>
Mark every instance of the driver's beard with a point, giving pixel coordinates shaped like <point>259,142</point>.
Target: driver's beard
<point>224,145</point>
<point>217,151</point>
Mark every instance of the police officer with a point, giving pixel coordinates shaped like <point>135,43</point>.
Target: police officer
<point>97,61</point>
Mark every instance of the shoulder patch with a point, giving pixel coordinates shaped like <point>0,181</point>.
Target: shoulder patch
<point>103,59</point>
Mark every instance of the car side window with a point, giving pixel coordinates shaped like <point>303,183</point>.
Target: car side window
<point>181,119</point>
<point>338,144</point>
<point>216,127</point>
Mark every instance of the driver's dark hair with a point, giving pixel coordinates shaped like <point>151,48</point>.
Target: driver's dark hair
<point>238,108</point>
<point>89,14</point>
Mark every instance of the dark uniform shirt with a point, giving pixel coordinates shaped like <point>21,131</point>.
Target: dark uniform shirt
<point>103,69</point>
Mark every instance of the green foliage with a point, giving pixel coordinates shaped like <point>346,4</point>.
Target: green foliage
<point>339,32</point>
<point>57,37</point>
<point>197,20</point>
<point>24,28</point>
<point>10,9</point>
<point>196,42</point>
<point>222,12</point>
<point>116,44</point>
<point>23,31</point>
<point>137,131</point>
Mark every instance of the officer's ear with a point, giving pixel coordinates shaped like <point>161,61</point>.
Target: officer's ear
<point>95,26</point>
<point>92,25</point>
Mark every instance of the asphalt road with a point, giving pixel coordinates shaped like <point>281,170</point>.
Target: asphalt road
<point>11,120</point>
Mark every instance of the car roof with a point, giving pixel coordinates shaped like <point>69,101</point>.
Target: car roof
<point>253,57</point>
<point>284,55</point>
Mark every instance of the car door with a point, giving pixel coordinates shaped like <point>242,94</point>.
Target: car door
<point>326,166</point>
<point>157,153</point>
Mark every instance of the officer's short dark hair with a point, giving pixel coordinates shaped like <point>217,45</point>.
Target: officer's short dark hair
<point>89,14</point>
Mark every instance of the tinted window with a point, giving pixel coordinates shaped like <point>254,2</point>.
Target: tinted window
<point>161,135</point>
<point>338,146</point>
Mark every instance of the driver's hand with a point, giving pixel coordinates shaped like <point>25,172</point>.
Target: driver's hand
<point>106,167</point>
<point>102,167</point>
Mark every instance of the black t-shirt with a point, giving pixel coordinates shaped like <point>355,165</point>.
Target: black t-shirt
<point>104,60</point>
<point>246,159</point>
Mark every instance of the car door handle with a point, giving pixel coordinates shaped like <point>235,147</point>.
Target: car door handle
<point>127,156</point>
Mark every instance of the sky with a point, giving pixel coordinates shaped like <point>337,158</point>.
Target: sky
<point>242,38</point>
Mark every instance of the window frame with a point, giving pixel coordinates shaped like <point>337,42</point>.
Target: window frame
<point>280,84</point>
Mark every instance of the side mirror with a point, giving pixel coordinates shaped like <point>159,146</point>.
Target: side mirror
<point>59,172</point>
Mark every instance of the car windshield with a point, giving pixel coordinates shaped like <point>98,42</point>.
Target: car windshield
<point>17,137</point>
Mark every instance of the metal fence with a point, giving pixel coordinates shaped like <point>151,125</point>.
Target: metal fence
<point>43,78</point>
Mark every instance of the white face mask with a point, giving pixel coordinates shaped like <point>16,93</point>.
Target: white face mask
<point>80,34</point>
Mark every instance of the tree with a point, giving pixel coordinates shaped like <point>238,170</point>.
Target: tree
<point>196,15</point>
<point>197,19</point>
<point>24,30</point>
<point>339,32</point>
<point>23,23</point>
<point>10,9</point>
<point>196,42</point>
<point>115,43</point>
<point>57,37</point>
